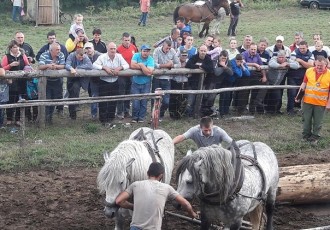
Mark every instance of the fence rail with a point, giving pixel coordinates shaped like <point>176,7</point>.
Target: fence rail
<point>44,74</point>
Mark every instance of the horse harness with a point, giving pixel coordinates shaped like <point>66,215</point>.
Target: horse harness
<point>151,147</point>
<point>239,176</point>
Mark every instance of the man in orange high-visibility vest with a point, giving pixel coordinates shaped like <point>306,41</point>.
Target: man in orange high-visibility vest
<point>316,87</point>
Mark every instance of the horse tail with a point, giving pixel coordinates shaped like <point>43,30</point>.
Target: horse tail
<point>176,14</point>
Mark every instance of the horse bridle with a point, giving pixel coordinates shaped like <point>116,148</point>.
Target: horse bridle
<point>239,177</point>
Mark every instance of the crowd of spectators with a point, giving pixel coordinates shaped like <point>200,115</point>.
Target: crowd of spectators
<point>226,65</point>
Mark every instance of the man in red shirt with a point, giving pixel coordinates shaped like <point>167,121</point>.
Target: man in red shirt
<point>127,50</point>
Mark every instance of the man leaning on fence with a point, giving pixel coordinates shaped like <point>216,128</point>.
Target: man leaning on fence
<point>53,59</point>
<point>278,67</point>
<point>165,58</point>
<point>77,60</point>
<point>141,83</point>
<point>111,62</point>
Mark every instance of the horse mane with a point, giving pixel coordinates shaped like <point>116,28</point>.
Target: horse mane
<point>218,168</point>
<point>116,163</point>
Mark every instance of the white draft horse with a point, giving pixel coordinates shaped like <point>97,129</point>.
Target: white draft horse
<point>231,184</point>
<point>129,162</point>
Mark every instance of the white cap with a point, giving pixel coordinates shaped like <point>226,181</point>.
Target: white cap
<point>88,45</point>
<point>280,38</point>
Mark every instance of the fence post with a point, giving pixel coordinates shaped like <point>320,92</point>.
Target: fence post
<point>22,127</point>
<point>42,96</point>
<point>156,108</point>
<point>199,97</point>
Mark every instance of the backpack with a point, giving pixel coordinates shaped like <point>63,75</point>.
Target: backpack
<point>32,88</point>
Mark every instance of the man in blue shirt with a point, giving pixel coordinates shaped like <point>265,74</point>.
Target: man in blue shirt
<point>141,83</point>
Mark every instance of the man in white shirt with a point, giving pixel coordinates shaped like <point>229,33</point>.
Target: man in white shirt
<point>111,62</point>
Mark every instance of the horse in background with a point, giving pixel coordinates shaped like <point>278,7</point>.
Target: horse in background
<point>201,11</point>
<point>129,162</point>
<point>231,184</point>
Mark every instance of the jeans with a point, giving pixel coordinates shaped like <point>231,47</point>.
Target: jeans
<point>139,110</point>
<point>94,92</point>
<point>54,90</point>
<point>225,98</point>
<point>232,26</point>
<point>292,92</point>
<point>16,12</point>
<point>123,107</point>
<point>73,85</point>
<point>164,84</point>
<point>107,110</point>
<point>178,102</point>
<point>135,228</point>
<point>143,18</point>
<point>2,114</point>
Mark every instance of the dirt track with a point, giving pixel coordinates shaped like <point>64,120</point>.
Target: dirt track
<point>69,199</point>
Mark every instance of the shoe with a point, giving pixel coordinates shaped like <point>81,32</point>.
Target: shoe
<point>121,117</point>
<point>306,137</point>
<point>109,125</point>
<point>279,112</point>
<point>314,140</point>
<point>292,113</point>
<point>127,115</point>
<point>141,121</point>
<point>18,123</point>
<point>134,121</point>
<point>139,23</point>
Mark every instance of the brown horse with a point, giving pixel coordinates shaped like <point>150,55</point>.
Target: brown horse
<point>201,13</point>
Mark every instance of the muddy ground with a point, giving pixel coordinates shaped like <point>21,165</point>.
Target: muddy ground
<point>69,199</point>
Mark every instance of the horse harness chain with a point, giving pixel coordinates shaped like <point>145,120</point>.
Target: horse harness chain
<point>239,176</point>
<point>153,151</point>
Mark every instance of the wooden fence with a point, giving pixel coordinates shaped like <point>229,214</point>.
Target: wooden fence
<point>43,75</point>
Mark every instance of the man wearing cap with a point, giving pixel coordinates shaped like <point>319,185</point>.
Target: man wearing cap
<point>111,62</point>
<point>141,83</point>
<point>177,105</point>
<point>52,59</point>
<point>127,49</point>
<point>148,212</point>
<point>77,60</point>
<point>78,42</point>
<point>165,58</point>
<point>93,88</point>
<point>99,45</point>
<point>279,45</point>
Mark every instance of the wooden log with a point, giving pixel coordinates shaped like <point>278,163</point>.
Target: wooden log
<point>304,184</point>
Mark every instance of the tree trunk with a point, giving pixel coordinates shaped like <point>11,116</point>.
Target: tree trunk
<point>304,184</point>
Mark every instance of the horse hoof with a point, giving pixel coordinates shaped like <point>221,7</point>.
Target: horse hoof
<point>200,35</point>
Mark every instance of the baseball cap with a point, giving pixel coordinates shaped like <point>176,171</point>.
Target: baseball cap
<point>184,52</point>
<point>280,38</point>
<point>145,47</point>
<point>88,45</point>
